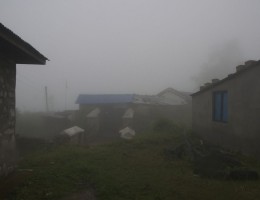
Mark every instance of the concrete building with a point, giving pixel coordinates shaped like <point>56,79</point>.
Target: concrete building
<point>13,50</point>
<point>227,112</point>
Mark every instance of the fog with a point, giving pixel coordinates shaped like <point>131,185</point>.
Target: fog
<point>134,46</point>
<point>220,62</point>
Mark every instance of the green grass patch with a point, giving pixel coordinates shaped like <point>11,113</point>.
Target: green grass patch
<point>136,169</point>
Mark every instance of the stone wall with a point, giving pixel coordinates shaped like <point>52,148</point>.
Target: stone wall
<point>7,116</point>
<point>111,120</point>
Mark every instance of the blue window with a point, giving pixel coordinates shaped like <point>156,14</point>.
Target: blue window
<point>220,106</point>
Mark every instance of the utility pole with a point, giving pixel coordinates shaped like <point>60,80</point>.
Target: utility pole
<point>46,99</point>
<point>66,94</point>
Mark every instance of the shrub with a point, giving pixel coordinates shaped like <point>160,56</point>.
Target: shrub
<point>166,126</point>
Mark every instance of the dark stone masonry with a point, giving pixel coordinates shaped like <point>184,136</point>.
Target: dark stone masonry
<point>13,50</point>
<point>7,116</point>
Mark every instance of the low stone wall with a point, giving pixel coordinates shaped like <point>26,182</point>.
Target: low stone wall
<point>7,116</point>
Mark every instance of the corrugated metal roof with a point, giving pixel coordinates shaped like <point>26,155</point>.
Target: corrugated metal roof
<point>72,131</point>
<point>104,98</point>
<point>129,114</point>
<point>94,113</point>
<point>229,77</point>
<point>20,51</point>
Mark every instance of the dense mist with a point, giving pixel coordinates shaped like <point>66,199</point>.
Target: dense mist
<point>220,62</point>
<point>118,47</point>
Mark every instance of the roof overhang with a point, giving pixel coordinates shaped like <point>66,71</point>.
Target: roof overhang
<point>14,48</point>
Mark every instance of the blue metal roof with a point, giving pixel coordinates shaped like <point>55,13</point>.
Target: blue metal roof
<point>104,98</point>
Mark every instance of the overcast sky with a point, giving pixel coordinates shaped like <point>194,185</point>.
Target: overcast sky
<point>128,46</point>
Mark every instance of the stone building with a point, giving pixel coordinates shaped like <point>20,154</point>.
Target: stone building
<point>13,50</point>
<point>227,112</point>
<point>103,113</point>
<point>108,113</point>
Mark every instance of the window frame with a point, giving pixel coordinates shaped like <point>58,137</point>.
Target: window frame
<point>220,106</point>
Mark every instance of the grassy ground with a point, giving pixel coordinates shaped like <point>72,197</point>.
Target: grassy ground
<point>136,169</point>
